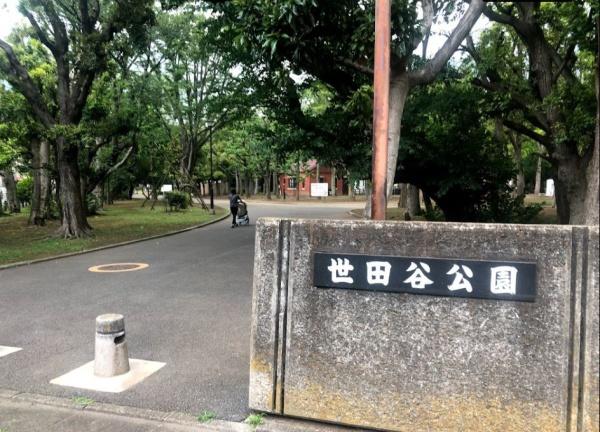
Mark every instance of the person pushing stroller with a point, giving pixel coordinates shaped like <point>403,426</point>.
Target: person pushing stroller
<point>234,202</point>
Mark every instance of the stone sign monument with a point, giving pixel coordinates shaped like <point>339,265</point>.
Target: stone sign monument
<point>410,326</point>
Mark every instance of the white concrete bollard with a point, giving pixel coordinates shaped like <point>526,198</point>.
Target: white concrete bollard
<point>111,357</point>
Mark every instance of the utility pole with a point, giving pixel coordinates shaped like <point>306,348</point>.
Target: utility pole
<point>381,87</point>
<point>210,180</point>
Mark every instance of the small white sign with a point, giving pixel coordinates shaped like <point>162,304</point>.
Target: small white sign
<point>166,188</point>
<point>319,189</point>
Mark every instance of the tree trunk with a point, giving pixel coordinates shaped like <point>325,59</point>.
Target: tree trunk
<point>403,198</point>
<point>83,184</point>
<point>255,185</point>
<point>40,201</point>
<point>74,222</point>
<point>56,178</point>
<point>333,183</point>
<point>109,195</point>
<point>367,210</point>
<point>318,175</point>
<point>414,205</point>
<point>518,157</point>
<point>349,185</point>
<point>34,215</point>
<point>298,179</point>
<point>268,185</point>
<point>237,182</point>
<point>591,202</point>
<point>570,189</point>
<point>11,190</point>
<point>275,185</point>
<point>428,203</point>
<point>399,89</point>
<point>537,189</point>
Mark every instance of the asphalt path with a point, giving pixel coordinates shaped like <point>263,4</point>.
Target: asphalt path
<point>190,309</point>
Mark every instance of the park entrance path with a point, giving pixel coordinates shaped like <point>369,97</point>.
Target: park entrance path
<point>190,309</point>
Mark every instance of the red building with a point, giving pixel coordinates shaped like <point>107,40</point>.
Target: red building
<point>291,186</point>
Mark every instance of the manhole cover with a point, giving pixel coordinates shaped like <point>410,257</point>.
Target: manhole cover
<point>118,267</point>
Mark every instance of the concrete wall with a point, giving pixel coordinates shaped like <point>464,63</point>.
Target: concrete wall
<point>404,362</point>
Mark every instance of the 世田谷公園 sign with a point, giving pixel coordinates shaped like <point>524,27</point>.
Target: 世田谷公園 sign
<point>497,280</point>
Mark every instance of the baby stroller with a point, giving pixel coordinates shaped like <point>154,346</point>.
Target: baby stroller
<point>242,214</point>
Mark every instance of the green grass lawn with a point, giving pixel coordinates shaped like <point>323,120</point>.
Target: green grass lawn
<point>125,220</point>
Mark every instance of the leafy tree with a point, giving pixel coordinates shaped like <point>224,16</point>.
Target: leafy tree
<point>450,154</point>
<point>26,132</point>
<point>79,37</point>
<point>545,91</point>
<point>333,41</point>
<point>200,91</point>
<point>15,137</point>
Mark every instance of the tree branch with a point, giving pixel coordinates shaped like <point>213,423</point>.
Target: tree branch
<point>38,30</point>
<point>100,177</point>
<point>19,77</point>
<point>61,40</point>
<point>542,139</point>
<point>428,73</point>
<point>537,118</point>
<point>470,48</point>
<point>71,12</point>
<point>86,23</point>
<point>357,66</point>
<point>501,18</point>
<point>562,65</point>
<point>121,162</point>
<point>427,23</point>
<point>81,90</point>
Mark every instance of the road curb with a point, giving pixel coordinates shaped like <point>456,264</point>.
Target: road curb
<point>356,213</point>
<point>114,245</point>
<point>171,418</point>
<point>165,417</point>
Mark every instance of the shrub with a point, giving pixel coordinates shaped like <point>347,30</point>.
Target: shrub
<point>53,209</point>
<point>434,215</point>
<point>25,190</point>
<point>509,209</point>
<point>178,200</point>
<point>92,204</point>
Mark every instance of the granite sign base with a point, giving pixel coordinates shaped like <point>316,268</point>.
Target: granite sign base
<point>403,362</point>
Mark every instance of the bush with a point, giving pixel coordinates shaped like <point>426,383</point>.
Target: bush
<point>178,200</point>
<point>449,151</point>
<point>434,215</point>
<point>92,204</point>
<point>53,209</point>
<point>507,209</point>
<point>25,190</point>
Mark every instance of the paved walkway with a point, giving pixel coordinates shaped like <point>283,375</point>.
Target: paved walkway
<point>190,309</point>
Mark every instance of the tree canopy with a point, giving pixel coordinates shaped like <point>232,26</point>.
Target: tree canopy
<point>99,98</point>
